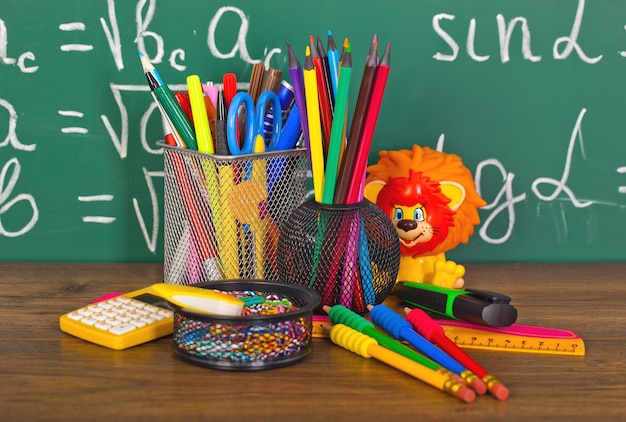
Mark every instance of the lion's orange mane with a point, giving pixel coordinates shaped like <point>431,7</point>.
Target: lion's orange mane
<point>437,166</point>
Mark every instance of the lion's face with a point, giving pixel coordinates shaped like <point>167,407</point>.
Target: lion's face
<point>411,225</point>
<point>419,212</point>
<point>429,195</point>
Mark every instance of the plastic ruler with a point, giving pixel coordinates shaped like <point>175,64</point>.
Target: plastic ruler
<point>515,338</point>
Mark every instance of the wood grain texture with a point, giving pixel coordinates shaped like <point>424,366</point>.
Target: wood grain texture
<point>48,375</point>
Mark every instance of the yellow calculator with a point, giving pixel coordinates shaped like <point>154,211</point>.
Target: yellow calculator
<point>122,321</point>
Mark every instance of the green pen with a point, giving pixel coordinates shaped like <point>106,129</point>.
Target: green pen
<point>472,305</point>
<point>173,111</point>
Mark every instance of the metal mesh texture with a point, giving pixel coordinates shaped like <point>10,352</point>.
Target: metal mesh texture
<point>349,254</point>
<point>223,213</point>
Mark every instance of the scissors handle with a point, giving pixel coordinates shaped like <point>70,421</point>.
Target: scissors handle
<point>232,125</point>
<point>277,124</point>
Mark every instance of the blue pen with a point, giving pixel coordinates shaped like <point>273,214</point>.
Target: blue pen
<point>401,329</point>
<point>286,98</point>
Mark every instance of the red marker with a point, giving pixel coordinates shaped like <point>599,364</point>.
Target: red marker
<point>230,87</point>
<point>183,101</point>
<point>429,329</point>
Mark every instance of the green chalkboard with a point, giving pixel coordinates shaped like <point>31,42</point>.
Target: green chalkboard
<point>531,94</point>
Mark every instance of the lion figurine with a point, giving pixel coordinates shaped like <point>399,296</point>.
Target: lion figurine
<point>432,201</point>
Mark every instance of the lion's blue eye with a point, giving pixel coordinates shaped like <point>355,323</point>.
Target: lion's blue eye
<point>419,215</point>
<point>398,214</point>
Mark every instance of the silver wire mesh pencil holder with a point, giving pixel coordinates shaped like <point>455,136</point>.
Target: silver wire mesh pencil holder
<point>222,214</point>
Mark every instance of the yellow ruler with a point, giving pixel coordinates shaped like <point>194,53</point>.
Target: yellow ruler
<point>515,338</point>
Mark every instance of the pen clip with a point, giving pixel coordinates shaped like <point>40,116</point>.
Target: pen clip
<point>489,296</point>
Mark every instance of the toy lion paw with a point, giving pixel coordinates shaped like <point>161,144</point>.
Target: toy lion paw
<point>448,274</point>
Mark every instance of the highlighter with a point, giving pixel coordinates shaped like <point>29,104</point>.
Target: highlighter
<point>200,300</point>
<point>471,305</point>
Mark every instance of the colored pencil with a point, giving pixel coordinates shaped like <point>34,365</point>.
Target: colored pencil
<point>337,131</point>
<point>367,347</point>
<point>325,109</point>
<point>173,110</point>
<point>358,119</point>
<point>295,73</point>
<point>333,62</point>
<point>369,126</point>
<point>401,330</point>
<point>315,130</point>
<point>327,77</point>
<point>426,326</point>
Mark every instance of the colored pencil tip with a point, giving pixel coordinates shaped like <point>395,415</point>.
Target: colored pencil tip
<point>345,43</point>
<point>385,60</point>
<point>375,39</point>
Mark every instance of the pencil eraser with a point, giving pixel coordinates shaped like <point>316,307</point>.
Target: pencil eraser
<point>499,391</point>
<point>466,394</point>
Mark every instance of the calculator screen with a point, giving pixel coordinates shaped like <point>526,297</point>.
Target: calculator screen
<point>153,300</point>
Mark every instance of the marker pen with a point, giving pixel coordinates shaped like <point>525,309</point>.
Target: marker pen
<point>477,306</point>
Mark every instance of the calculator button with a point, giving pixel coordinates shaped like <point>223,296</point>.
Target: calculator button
<point>129,307</point>
<point>148,320</point>
<point>133,314</point>
<point>123,318</point>
<point>75,316</point>
<point>84,312</point>
<point>138,323</point>
<point>99,317</point>
<point>113,322</point>
<point>165,313</point>
<point>122,329</point>
<point>88,321</point>
<point>102,326</point>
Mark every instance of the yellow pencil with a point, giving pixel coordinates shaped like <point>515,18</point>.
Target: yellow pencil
<point>368,347</point>
<point>315,128</point>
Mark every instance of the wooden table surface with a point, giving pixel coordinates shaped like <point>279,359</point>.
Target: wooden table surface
<point>49,375</point>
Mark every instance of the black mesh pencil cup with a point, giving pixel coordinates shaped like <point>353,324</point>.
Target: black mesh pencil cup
<point>349,254</point>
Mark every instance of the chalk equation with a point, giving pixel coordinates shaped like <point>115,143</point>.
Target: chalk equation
<point>117,124</point>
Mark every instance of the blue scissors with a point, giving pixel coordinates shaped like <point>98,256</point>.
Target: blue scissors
<point>255,118</point>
